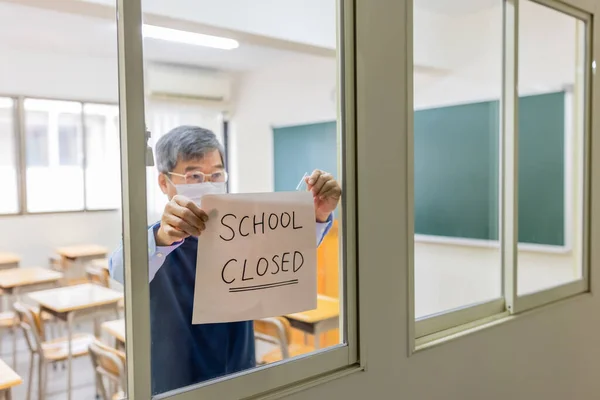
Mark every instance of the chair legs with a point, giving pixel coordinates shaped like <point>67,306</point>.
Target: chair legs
<point>100,387</point>
<point>29,383</point>
<point>41,379</point>
<point>13,330</point>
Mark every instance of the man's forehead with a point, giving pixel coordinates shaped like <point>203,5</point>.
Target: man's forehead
<point>210,160</point>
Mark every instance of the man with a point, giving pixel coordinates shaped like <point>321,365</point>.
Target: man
<point>190,162</point>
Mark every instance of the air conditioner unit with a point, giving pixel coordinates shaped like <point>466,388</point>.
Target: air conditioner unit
<point>183,82</point>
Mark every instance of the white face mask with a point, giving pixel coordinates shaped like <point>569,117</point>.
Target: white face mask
<point>195,191</point>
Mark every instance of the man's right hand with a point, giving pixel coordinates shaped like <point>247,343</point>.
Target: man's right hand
<point>182,218</point>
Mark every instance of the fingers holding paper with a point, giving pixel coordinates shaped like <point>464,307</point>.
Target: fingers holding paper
<point>181,218</point>
<point>326,193</point>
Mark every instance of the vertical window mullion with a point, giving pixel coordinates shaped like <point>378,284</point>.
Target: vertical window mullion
<point>583,90</point>
<point>510,149</point>
<point>21,153</point>
<point>133,182</point>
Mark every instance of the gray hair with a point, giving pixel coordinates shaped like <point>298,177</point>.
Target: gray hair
<point>185,143</point>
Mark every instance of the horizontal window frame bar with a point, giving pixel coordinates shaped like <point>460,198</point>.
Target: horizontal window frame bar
<point>30,213</point>
<point>429,325</point>
<point>259,380</point>
<point>528,301</point>
<point>493,244</point>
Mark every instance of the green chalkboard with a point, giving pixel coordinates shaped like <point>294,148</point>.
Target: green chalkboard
<point>457,163</point>
<point>303,148</point>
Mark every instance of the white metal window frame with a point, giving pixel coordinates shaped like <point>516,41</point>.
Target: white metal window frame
<point>261,380</point>
<point>447,323</point>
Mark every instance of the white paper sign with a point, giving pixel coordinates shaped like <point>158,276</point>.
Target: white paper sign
<point>257,257</point>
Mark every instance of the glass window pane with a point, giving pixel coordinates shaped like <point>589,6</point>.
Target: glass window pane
<point>102,168</point>
<point>284,125</point>
<point>551,157</point>
<point>457,86</point>
<point>9,200</point>
<point>53,148</point>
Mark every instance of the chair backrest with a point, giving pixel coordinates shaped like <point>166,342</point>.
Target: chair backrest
<point>109,363</point>
<point>32,325</point>
<point>97,275</point>
<point>274,330</point>
<point>55,263</point>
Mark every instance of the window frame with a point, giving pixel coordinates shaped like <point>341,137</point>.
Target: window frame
<point>263,379</point>
<point>21,153</point>
<point>17,146</point>
<point>430,329</point>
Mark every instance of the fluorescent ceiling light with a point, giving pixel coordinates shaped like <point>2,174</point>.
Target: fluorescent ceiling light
<point>198,39</point>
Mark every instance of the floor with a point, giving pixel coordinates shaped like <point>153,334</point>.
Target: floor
<point>83,376</point>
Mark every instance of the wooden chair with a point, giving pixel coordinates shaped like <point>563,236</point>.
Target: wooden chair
<point>47,351</point>
<point>109,364</point>
<point>96,275</point>
<point>8,323</point>
<point>278,331</point>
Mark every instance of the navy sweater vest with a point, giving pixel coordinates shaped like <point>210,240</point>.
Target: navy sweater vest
<point>184,354</point>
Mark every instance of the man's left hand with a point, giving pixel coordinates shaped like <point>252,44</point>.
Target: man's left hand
<point>326,192</point>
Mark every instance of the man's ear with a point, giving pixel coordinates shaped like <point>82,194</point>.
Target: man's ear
<point>163,183</point>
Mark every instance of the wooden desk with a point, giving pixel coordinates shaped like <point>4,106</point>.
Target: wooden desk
<point>75,258</point>
<point>82,251</point>
<point>324,318</point>
<point>9,260</point>
<point>8,380</point>
<point>116,329</point>
<point>16,281</point>
<point>66,302</point>
<point>11,280</point>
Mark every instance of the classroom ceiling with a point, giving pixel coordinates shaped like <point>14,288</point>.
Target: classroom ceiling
<point>31,29</point>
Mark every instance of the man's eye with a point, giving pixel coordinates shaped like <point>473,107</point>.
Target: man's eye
<point>197,177</point>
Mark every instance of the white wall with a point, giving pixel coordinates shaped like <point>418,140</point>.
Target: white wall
<point>297,90</point>
<point>34,237</point>
<point>73,77</point>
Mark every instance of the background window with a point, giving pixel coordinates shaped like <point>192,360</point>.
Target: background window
<point>457,259</point>
<point>69,140</point>
<point>551,142</point>
<point>54,162</point>
<point>102,168</point>
<point>9,201</point>
<point>36,143</point>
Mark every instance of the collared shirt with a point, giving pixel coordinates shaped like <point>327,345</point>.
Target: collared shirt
<point>183,354</point>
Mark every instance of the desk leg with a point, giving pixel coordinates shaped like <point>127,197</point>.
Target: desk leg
<point>12,298</point>
<point>317,336</point>
<point>70,356</point>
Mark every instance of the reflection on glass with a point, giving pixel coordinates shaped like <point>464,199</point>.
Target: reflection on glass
<point>9,203</point>
<point>456,156</point>
<point>188,138</point>
<point>53,153</point>
<point>551,100</point>
<point>202,352</point>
